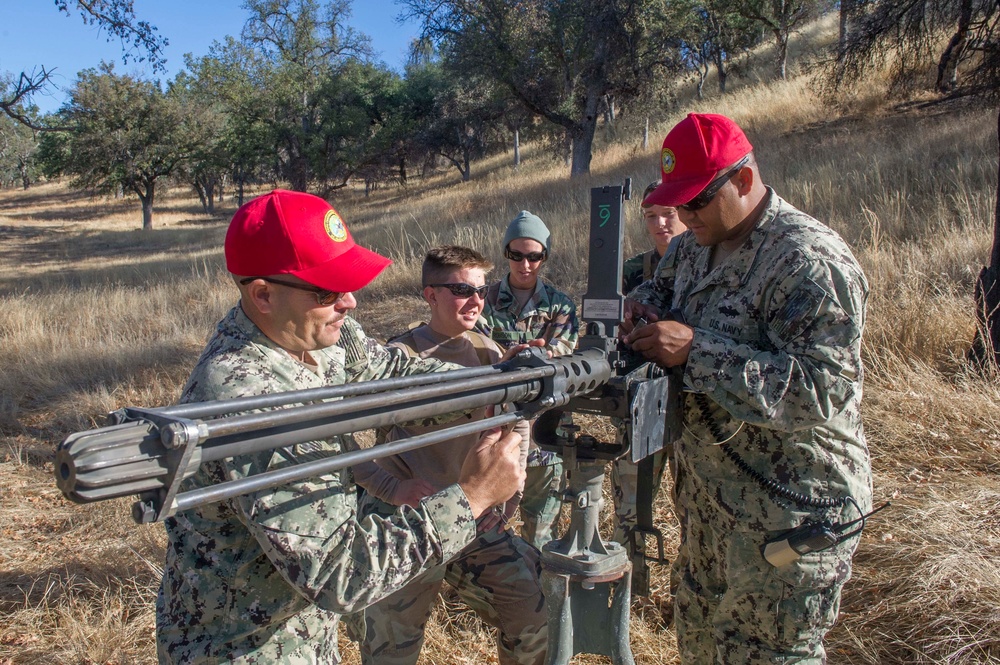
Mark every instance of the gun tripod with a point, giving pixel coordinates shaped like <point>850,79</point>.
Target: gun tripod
<point>586,581</point>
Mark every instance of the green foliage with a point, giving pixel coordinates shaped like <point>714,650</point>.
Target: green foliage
<point>140,42</point>
<point>139,39</point>
<point>53,151</point>
<point>298,47</point>
<point>781,18</point>
<point>126,135</point>
<point>561,60</point>
<point>908,35</point>
<point>18,153</point>
<point>454,116</point>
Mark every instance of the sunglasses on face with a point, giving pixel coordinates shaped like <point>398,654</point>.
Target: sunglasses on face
<point>463,290</point>
<point>533,257</point>
<point>323,297</point>
<point>707,194</point>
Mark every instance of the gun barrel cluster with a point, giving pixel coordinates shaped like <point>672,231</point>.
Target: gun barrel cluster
<point>149,452</point>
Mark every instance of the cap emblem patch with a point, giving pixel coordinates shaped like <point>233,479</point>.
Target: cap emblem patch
<point>334,226</point>
<point>667,160</point>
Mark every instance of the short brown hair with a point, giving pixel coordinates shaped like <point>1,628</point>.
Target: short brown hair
<point>448,258</point>
<point>649,190</point>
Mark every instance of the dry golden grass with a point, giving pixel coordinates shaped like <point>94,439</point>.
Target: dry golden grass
<point>98,314</point>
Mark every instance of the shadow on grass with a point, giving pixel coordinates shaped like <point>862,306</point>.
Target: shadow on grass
<point>48,412</point>
<point>74,259</point>
<point>44,196</point>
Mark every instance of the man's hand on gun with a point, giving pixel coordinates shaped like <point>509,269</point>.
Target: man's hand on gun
<point>666,343</point>
<point>517,348</point>
<point>492,473</point>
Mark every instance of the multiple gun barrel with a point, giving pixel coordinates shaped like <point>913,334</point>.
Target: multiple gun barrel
<point>151,451</point>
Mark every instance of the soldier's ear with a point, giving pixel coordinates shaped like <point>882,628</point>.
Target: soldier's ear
<point>429,295</point>
<point>260,295</point>
<point>745,180</point>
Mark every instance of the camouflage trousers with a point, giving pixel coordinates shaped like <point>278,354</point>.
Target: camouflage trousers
<point>624,483</point>
<point>734,607</point>
<point>497,575</point>
<point>542,502</point>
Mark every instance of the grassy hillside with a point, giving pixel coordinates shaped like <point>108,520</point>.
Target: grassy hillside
<point>97,315</point>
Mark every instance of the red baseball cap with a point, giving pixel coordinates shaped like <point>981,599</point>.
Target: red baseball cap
<point>695,150</point>
<point>298,234</point>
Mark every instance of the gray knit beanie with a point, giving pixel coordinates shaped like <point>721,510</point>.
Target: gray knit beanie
<point>527,225</point>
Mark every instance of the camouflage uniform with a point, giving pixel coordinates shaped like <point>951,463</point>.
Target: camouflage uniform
<point>550,315</point>
<point>776,357</point>
<point>262,578</point>
<point>638,269</point>
<point>497,574</point>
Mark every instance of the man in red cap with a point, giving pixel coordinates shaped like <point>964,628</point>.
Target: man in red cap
<point>264,577</point>
<point>763,307</point>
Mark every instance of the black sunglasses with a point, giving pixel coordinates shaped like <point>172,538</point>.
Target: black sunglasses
<point>533,257</point>
<point>707,194</point>
<point>323,297</point>
<point>463,290</point>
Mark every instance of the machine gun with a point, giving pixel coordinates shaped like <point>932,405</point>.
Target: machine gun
<point>149,452</point>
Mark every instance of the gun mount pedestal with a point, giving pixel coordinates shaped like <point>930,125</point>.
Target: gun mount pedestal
<point>586,580</point>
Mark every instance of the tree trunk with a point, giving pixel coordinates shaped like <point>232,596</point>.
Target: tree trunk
<point>517,149</point>
<point>985,349</point>
<point>782,53</point>
<point>199,187</point>
<point>947,78</point>
<point>583,135</point>
<point>583,143</point>
<point>645,136</point>
<point>298,174</point>
<point>147,206</point>
<point>720,65</point>
<point>846,13</point>
<point>210,191</point>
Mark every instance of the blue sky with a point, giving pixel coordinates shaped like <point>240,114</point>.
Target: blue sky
<point>34,32</point>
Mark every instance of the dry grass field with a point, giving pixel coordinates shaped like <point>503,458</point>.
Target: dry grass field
<point>96,314</point>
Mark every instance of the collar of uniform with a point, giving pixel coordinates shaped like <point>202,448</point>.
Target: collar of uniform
<point>737,267</point>
<point>505,297</point>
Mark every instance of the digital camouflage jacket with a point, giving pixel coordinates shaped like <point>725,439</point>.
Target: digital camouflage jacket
<point>549,314</point>
<point>264,577</point>
<point>638,269</point>
<point>777,354</point>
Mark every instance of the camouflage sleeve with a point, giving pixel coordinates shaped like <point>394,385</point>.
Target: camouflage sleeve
<point>631,273</point>
<point>647,294</point>
<point>658,291</point>
<point>368,360</point>
<point>341,563</point>
<point>808,367</point>
<point>563,328</point>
